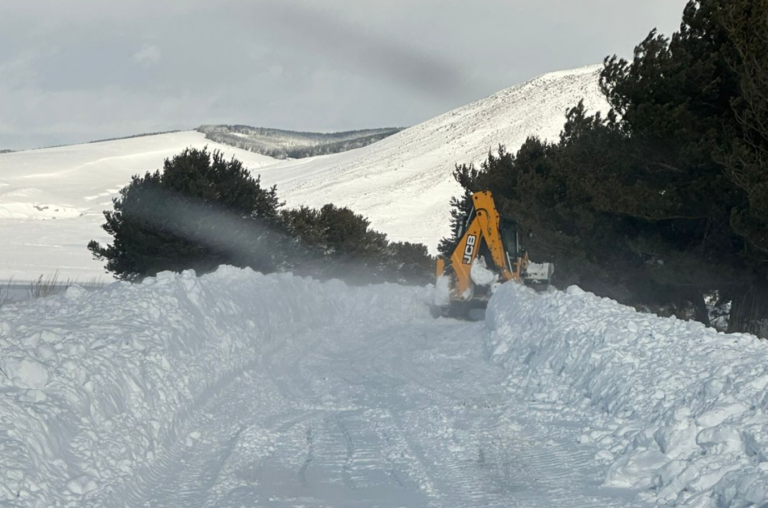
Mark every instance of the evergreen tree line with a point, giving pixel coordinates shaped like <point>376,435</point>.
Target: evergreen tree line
<point>337,147</point>
<point>282,144</point>
<point>203,211</point>
<point>663,200</point>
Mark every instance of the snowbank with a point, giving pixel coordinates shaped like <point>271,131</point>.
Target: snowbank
<point>94,384</point>
<point>683,409</point>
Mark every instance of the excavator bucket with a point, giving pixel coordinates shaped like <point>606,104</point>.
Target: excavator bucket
<point>538,274</point>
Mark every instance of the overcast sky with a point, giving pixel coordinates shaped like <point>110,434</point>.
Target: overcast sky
<point>74,71</point>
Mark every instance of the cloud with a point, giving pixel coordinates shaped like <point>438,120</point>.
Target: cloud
<point>408,65</point>
<point>292,64</point>
<point>148,55</point>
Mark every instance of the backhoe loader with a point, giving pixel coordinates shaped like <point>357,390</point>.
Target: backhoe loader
<point>487,255</point>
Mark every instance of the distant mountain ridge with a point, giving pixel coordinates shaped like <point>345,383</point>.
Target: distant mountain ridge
<point>283,144</point>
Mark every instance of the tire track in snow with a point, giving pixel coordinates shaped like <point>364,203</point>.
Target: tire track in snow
<point>152,484</point>
<point>310,455</point>
<point>350,449</point>
<point>518,468</point>
<point>135,489</point>
<point>405,416</point>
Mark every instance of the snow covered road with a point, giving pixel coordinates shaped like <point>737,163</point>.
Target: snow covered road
<point>390,416</point>
<point>237,389</point>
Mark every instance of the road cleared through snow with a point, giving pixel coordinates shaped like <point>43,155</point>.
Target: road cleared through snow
<point>393,415</point>
<point>237,389</point>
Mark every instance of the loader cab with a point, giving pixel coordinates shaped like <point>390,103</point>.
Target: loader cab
<point>509,236</point>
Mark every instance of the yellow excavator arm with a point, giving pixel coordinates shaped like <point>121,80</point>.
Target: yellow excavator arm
<point>485,234</point>
<point>483,227</point>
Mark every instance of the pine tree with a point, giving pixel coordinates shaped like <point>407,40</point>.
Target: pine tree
<point>200,212</point>
<point>461,208</point>
<point>335,242</point>
<point>662,200</point>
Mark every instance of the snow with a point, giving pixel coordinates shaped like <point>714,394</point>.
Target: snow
<point>682,409</point>
<point>51,200</point>
<point>480,273</point>
<point>25,372</point>
<point>442,296</point>
<point>95,384</point>
<point>239,389</point>
<point>411,172</point>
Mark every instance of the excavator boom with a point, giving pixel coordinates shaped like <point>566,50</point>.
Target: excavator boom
<point>487,242</point>
<point>483,227</point>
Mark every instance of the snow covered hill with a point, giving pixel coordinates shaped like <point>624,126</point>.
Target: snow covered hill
<point>239,389</point>
<point>404,184</point>
<point>51,200</point>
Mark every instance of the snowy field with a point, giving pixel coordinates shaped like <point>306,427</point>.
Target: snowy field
<point>237,389</point>
<point>51,200</point>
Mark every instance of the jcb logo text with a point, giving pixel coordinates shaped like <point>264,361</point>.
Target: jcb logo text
<point>469,249</point>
